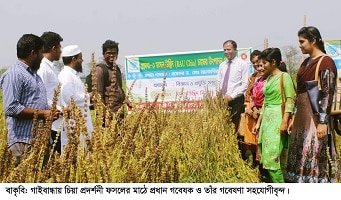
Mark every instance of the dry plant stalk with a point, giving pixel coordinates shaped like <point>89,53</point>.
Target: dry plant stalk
<point>148,145</point>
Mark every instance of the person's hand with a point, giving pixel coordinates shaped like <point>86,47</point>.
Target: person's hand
<point>321,130</point>
<point>56,115</point>
<point>284,127</point>
<point>255,129</point>
<point>255,113</point>
<point>249,112</point>
<point>44,114</point>
<point>291,122</point>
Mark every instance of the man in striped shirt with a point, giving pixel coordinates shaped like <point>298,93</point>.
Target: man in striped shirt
<point>24,94</point>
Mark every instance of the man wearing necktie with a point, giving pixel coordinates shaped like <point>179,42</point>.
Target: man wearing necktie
<point>233,77</point>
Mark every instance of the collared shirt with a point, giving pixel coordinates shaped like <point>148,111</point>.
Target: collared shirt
<point>72,86</point>
<point>22,88</point>
<point>238,78</point>
<point>48,74</point>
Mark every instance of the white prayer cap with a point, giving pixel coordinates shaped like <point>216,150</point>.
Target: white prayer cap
<point>71,50</point>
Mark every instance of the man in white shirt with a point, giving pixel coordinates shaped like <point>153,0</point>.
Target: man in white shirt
<point>48,73</point>
<point>73,87</point>
<point>233,77</point>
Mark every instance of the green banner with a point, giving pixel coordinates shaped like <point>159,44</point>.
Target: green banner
<point>194,60</point>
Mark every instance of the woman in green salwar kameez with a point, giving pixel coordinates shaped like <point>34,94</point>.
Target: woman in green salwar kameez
<point>279,95</point>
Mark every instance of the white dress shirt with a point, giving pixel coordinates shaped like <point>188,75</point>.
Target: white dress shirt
<point>238,78</point>
<point>72,86</point>
<point>48,74</point>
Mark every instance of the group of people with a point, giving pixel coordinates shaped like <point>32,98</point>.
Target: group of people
<point>29,85</point>
<point>288,140</point>
<point>278,115</point>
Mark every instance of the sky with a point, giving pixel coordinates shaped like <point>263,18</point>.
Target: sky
<point>154,26</point>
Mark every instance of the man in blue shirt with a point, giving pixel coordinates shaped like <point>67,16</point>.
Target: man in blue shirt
<point>24,94</point>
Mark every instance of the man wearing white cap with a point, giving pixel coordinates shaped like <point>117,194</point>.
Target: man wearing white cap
<point>73,87</point>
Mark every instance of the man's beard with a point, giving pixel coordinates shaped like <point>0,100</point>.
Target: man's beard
<point>79,68</point>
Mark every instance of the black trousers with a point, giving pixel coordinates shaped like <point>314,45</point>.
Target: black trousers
<point>236,107</point>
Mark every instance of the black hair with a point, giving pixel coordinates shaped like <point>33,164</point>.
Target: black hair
<point>271,54</point>
<point>234,44</point>
<point>283,67</point>
<point>28,43</point>
<point>254,54</point>
<point>311,33</point>
<point>50,39</point>
<point>109,44</point>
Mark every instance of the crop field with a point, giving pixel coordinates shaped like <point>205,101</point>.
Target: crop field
<point>148,146</point>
